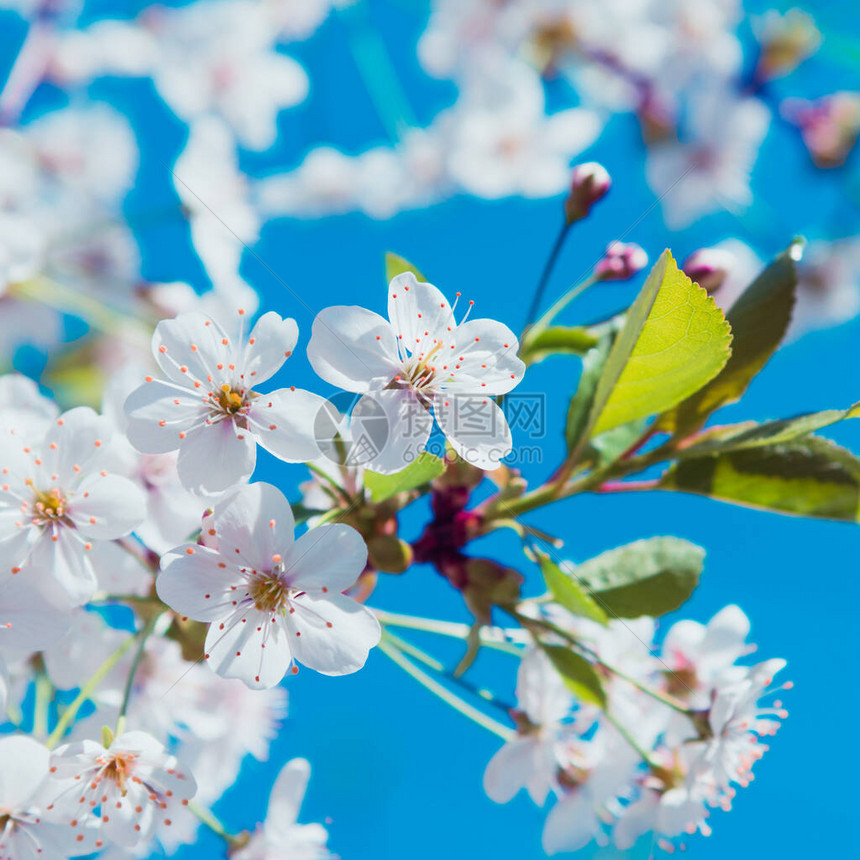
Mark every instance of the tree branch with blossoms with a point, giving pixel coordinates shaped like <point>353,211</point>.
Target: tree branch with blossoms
<point>149,583</point>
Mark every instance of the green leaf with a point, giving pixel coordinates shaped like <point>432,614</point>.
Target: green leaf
<point>609,446</point>
<point>425,468</point>
<point>397,265</point>
<point>580,408</point>
<point>809,476</point>
<point>557,340</point>
<point>567,593</point>
<point>646,577</point>
<point>675,340</point>
<point>759,320</point>
<point>579,675</point>
<point>750,434</point>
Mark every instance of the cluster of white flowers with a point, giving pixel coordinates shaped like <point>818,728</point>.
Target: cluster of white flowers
<point>150,503</point>
<point>497,139</point>
<point>686,727</point>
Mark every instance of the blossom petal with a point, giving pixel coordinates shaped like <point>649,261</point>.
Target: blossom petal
<point>637,819</point>
<point>409,426</point>
<point>329,556</point>
<point>15,546</point>
<point>420,315</point>
<point>157,412</point>
<point>107,507</point>
<point>476,428</point>
<point>215,457</point>
<point>76,439</point>
<point>255,523</point>
<point>286,797</point>
<point>725,635</point>
<point>487,357</point>
<point>196,583</point>
<point>30,622</point>
<point>570,824</point>
<point>189,347</point>
<point>25,768</point>
<point>508,770</point>
<point>332,635</point>
<point>251,647</point>
<point>284,423</point>
<point>351,346</point>
<point>271,342</point>
<point>63,562</point>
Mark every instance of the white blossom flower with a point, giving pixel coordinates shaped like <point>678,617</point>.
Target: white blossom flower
<point>219,58</point>
<point>532,759</point>
<point>422,359</point>
<point>504,143</point>
<point>828,288</point>
<point>56,499</point>
<point>208,407</point>
<point>271,599</point>
<point>600,773</point>
<point>216,751</point>
<point>696,655</point>
<point>128,788</point>
<point>737,721</point>
<point>679,811</point>
<point>89,150</point>
<point>27,830</point>
<point>281,837</point>
<point>710,171</point>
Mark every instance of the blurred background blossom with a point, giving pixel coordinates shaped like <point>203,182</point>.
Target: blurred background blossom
<point>160,157</point>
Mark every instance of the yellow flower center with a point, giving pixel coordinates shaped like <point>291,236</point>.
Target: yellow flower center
<point>49,506</point>
<point>117,767</point>
<point>268,591</point>
<point>230,399</point>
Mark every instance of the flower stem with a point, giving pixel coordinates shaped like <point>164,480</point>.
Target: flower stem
<point>397,656</point>
<point>86,691</point>
<point>44,695</point>
<point>142,636</point>
<point>207,817</point>
<point>492,637</point>
<point>562,303</point>
<point>431,662</point>
<point>551,260</point>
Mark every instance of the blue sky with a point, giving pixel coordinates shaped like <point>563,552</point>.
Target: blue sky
<point>397,771</point>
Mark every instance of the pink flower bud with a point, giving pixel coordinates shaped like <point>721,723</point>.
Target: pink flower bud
<point>621,261</point>
<point>709,267</point>
<point>589,183</point>
<point>830,126</point>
